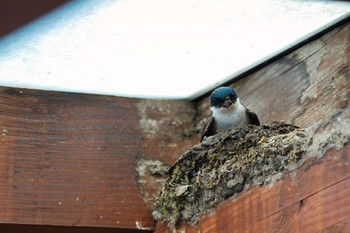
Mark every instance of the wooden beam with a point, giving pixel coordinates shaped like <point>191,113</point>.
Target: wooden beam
<point>20,228</point>
<point>17,13</point>
<point>313,199</point>
<point>305,87</point>
<point>295,204</point>
<point>69,159</point>
<point>311,88</point>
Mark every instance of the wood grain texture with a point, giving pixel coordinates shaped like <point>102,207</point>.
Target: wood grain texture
<point>17,13</point>
<point>20,228</point>
<point>340,227</point>
<point>68,159</point>
<point>305,87</point>
<point>311,88</point>
<point>293,204</point>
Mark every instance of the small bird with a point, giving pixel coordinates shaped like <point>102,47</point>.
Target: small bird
<point>227,112</point>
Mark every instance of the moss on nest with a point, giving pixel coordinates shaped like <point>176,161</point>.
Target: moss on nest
<point>222,165</point>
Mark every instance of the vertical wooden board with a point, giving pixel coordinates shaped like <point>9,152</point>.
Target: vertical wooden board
<point>68,159</point>
<point>163,127</point>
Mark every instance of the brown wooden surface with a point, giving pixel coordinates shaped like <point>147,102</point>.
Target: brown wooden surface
<point>311,88</point>
<point>68,159</point>
<point>295,204</point>
<point>305,87</point>
<point>20,228</point>
<point>17,13</point>
<point>315,199</point>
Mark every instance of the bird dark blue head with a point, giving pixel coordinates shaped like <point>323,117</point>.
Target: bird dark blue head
<point>223,97</point>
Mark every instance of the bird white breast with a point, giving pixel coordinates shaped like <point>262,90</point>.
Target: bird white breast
<point>229,118</point>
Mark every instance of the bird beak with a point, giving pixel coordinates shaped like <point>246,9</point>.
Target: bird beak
<point>228,102</point>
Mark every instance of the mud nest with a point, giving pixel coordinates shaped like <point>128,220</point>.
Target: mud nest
<point>223,165</point>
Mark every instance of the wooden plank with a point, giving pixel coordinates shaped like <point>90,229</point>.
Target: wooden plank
<point>313,214</point>
<point>68,159</point>
<point>17,13</point>
<point>20,228</point>
<point>311,88</point>
<point>340,227</point>
<point>305,87</point>
<point>313,199</point>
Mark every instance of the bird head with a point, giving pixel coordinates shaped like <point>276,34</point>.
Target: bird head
<point>223,97</point>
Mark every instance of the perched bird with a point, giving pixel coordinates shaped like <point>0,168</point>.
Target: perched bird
<point>227,112</point>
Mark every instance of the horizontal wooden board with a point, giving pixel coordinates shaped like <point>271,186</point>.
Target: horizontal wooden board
<point>17,13</point>
<point>69,159</point>
<point>316,198</point>
<point>20,228</point>
<point>311,88</point>
<point>305,87</point>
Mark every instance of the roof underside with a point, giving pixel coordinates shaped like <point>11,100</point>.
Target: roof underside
<point>156,49</point>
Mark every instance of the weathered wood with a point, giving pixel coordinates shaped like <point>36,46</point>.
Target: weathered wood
<point>294,204</point>
<point>305,87</point>
<point>16,13</point>
<point>311,88</point>
<point>68,159</point>
<point>19,228</point>
<point>340,227</point>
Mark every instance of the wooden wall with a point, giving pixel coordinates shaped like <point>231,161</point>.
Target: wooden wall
<point>68,162</point>
<point>69,159</point>
<point>309,87</point>
<point>17,13</point>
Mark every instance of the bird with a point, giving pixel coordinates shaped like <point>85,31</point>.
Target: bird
<point>227,112</point>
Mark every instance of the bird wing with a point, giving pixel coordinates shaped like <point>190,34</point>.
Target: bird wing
<point>252,118</point>
<point>209,129</point>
